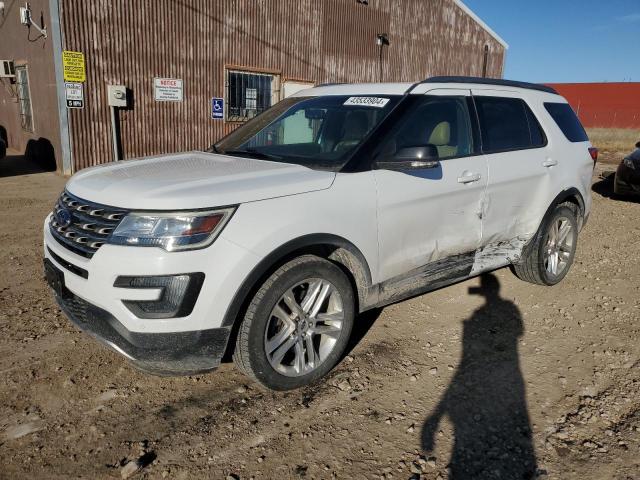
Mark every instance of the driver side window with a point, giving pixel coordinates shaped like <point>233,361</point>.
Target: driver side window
<point>442,122</point>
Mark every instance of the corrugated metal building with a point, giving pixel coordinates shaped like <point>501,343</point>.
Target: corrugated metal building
<point>249,53</point>
<point>604,105</point>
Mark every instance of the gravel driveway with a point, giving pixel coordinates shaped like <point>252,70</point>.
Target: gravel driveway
<point>489,378</point>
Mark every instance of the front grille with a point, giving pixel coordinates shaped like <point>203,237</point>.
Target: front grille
<point>91,224</point>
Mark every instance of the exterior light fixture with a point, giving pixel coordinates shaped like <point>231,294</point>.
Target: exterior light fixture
<point>382,39</point>
<point>26,19</point>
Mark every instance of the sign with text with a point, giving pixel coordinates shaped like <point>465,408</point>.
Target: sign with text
<point>217,108</point>
<point>167,90</point>
<point>73,66</point>
<point>74,94</point>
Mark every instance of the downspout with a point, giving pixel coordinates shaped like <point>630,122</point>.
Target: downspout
<point>63,113</point>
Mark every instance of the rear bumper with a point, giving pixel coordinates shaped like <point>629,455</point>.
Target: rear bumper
<point>627,180</point>
<point>176,353</point>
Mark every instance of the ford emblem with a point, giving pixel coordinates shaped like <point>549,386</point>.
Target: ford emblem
<point>63,216</point>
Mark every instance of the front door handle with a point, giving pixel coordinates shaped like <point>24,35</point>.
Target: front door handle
<point>549,162</point>
<point>469,177</point>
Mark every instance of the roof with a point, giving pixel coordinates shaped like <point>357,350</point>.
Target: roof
<point>480,22</point>
<point>419,87</point>
<point>492,81</point>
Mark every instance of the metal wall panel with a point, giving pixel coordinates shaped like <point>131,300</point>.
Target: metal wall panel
<point>604,105</point>
<point>130,43</point>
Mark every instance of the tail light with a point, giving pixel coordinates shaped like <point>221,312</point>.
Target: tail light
<point>594,154</point>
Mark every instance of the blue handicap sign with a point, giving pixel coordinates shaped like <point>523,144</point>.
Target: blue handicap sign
<point>217,108</point>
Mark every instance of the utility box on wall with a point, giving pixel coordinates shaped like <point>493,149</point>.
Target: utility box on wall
<point>117,95</point>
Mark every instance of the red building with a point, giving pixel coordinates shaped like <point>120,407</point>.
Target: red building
<point>604,105</point>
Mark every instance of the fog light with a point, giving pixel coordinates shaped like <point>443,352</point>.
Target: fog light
<point>178,294</point>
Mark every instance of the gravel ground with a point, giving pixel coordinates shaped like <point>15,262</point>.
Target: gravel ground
<point>509,380</point>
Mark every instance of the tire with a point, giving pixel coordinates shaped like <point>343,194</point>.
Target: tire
<point>536,264</point>
<point>280,321</point>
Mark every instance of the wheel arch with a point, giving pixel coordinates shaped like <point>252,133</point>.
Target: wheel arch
<point>332,247</point>
<point>571,195</point>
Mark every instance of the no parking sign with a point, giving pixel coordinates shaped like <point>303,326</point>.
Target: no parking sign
<point>217,108</point>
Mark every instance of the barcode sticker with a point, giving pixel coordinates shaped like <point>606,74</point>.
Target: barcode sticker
<point>367,101</point>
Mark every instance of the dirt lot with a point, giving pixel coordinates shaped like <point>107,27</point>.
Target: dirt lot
<point>495,382</point>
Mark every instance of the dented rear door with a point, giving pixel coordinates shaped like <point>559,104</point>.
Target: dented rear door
<point>521,169</point>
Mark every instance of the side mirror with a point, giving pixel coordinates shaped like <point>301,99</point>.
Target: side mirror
<point>411,158</point>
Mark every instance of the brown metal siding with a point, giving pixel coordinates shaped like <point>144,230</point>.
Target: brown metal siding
<point>320,41</point>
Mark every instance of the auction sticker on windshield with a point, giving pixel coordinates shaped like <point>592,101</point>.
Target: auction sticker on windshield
<point>367,101</point>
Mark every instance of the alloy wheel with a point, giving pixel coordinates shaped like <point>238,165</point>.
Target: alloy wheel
<point>303,327</point>
<point>559,246</point>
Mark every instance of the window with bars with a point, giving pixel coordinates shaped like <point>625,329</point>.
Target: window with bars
<point>24,98</point>
<point>249,94</point>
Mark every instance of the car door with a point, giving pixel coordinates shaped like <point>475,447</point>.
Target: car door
<point>521,168</point>
<point>432,214</point>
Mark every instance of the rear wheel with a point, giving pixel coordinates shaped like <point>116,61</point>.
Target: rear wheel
<point>297,325</point>
<point>547,260</point>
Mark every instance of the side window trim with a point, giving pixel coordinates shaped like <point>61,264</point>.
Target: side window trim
<point>506,150</point>
<point>475,125</point>
<point>531,115</point>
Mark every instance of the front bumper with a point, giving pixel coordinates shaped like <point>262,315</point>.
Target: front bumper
<point>90,296</point>
<point>177,353</point>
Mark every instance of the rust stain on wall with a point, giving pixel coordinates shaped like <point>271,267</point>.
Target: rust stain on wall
<point>320,41</point>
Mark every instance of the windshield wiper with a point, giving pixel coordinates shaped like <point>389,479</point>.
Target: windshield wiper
<point>250,152</point>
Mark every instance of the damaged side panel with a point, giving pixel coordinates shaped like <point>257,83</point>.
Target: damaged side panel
<point>450,270</point>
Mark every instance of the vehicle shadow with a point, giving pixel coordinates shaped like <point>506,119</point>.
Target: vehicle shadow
<point>485,401</point>
<point>604,188</point>
<point>39,157</point>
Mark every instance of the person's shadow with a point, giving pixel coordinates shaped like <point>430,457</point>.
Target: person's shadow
<point>485,400</point>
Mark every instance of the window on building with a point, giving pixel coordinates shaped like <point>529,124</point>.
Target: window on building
<point>24,98</point>
<point>507,124</point>
<point>249,94</point>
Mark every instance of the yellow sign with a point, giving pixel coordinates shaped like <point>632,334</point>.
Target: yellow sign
<point>73,66</point>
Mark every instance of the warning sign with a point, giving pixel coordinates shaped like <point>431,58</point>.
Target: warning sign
<point>167,89</point>
<point>74,93</point>
<point>73,66</point>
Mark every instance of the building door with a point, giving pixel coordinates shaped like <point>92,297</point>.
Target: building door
<point>290,87</point>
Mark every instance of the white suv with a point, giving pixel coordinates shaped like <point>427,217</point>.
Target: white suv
<point>337,200</point>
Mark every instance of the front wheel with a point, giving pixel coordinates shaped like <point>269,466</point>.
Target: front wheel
<point>297,325</point>
<point>547,260</point>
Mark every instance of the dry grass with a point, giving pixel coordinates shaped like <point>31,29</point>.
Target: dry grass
<point>614,139</point>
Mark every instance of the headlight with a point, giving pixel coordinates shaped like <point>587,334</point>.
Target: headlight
<point>628,162</point>
<point>171,231</point>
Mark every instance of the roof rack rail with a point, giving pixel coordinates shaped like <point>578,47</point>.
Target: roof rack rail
<point>491,81</point>
<point>329,84</point>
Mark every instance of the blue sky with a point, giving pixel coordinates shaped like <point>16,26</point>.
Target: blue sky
<point>566,40</point>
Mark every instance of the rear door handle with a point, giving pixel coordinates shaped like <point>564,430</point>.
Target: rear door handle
<point>549,162</point>
<point>469,177</point>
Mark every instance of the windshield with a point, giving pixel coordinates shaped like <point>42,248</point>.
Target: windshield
<point>316,132</point>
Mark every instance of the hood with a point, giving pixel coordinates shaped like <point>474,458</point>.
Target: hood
<point>193,180</point>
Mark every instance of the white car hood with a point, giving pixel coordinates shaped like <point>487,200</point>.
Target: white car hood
<point>193,180</point>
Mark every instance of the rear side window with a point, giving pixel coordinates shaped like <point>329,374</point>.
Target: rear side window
<point>507,124</point>
<point>567,120</point>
